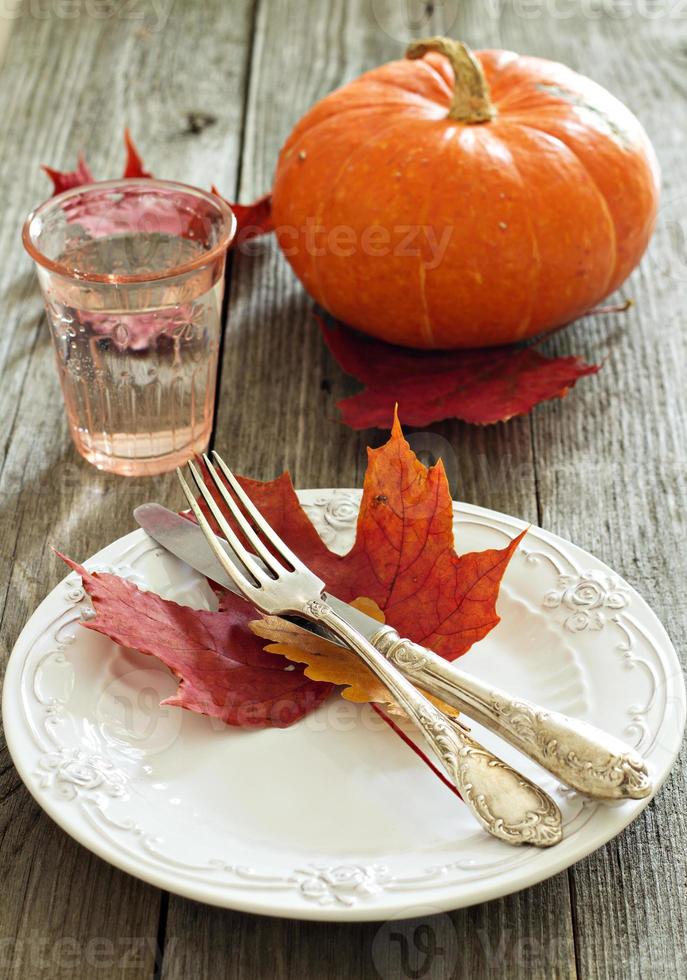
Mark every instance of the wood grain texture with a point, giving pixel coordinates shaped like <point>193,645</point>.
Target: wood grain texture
<point>68,84</point>
<point>605,467</point>
<point>611,474</point>
<point>279,384</point>
<point>279,390</point>
<point>515,937</point>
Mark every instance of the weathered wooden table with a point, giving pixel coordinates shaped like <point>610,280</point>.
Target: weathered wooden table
<point>210,90</point>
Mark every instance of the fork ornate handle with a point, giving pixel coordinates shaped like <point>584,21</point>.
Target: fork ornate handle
<point>505,802</point>
<point>581,755</point>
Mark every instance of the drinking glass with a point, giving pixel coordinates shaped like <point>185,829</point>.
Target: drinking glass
<point>132,276</point>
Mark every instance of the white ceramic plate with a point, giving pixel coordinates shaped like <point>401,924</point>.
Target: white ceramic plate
<point>334,818</point>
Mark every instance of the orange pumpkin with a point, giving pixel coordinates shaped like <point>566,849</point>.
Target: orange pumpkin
<point>460,200</point>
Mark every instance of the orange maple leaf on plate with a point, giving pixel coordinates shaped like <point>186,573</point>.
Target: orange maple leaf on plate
<point>403,558</point>
<point>328,661</point>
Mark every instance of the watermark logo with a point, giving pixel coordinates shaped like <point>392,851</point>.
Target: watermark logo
<point>421,947</point>
<point>131,715</point>
<point>668,248</point>
<point>408,18</point>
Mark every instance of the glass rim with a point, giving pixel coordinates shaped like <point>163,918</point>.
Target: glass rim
<point>229,232</point>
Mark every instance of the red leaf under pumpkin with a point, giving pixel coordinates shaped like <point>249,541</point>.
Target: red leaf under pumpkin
<point>222,669</point>
<point>479,386</point>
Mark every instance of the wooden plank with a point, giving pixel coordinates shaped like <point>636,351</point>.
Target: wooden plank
<point>277,410</point>
<point>517,936</point>
<point>628,912</point>
<point>612,475</point>
<point>68,83</point>
<point>274,357</point>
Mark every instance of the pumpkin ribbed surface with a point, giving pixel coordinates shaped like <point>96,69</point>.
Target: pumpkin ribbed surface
<point>433,231</point>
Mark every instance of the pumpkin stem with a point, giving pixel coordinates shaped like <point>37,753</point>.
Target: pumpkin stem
<point>471,97</point>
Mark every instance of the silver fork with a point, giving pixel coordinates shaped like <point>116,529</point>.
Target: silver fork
<point>507,804</point>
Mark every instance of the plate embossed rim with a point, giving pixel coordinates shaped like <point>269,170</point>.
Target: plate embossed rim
<point>585,597</point>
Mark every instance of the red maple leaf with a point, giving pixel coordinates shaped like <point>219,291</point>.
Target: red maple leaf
<point>479,386</point>
<point>252,219</point>
<point>134,164</point>
<point>403,558</point>
<point>64,180</point>
<point>222,669</point>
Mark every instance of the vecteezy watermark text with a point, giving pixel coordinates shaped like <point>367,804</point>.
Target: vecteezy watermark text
<point>403,20</point>
<point>425,242</point>
<point>34,952</point>
<point>151,13</point>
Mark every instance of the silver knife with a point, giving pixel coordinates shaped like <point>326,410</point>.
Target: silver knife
<point>584,757</point>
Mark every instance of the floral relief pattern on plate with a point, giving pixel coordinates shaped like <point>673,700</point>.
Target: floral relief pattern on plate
<point>120,805</point>
<point>588,596</point>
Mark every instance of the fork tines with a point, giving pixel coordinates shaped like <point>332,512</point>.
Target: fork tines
<point>274,561</point>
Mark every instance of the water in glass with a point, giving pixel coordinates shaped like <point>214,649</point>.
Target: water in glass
<point>138,386</point>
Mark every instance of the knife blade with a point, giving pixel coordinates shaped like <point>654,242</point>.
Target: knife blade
<point>185,539</point>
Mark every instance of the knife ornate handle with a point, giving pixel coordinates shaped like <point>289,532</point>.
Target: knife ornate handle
<point>584,757</point>
<point>507,804</point>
